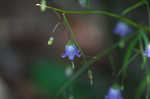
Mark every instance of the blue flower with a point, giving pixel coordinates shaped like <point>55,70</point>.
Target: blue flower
<point>122,29</point>
<point>114,94</point>
<point>71,51</point>
<point>147,52</point>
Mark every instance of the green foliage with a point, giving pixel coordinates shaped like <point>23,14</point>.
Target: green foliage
<point>56,83</point>
<point>128,54</point>
<point>48,76</point>
<point>141,38</point>
<point>133,7</point>
<point>142,85</point>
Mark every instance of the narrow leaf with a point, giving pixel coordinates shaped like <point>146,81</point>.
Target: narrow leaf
<point>142,86</point>
<point>128,54</point>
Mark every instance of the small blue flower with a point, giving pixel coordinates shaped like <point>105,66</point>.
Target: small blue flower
<point>114,93</point>
<point>71,51</point>
<point>122,29</point>
<point>147,52</point>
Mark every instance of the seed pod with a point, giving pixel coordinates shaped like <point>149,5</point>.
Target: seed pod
<point>50,41</point>
<point>43,5</point>
<point>68,71</point>
<point>90,75</point>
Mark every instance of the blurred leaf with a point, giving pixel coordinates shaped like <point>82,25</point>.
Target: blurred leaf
<point>122,44</point>
<point>89,4</point>
<point>48,76</point>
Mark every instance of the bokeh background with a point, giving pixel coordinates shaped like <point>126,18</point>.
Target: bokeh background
<point>30,69</point>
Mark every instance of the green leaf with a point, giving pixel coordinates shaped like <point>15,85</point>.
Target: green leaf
<point>128,54</point>
<point>144,58</point>
<point>142,86</point>
<point>47,76</point>
<point>148,9</point>
<point>143,37</point>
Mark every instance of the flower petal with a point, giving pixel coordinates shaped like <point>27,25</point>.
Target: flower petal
<point>78,55</point>
<point>64,55</point>
<point>71,57</point>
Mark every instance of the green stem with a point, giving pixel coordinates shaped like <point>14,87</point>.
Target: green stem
<point>88,4</point>
<point>122,18</point>
<point>138,4</point>
<point>142,51</point>
<point>148,10</point>
<point>143,37</point>
<point>130,60</point>
<point>73,35</point>
<point>112,63</point>
<point>87,64</point>
<point>85,67</point>
<point>148,88</point>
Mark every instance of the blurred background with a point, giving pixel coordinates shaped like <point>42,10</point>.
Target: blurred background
<point>30,69</point>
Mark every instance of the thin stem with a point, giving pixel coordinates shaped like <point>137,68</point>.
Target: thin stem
<point>73,65</point>
<point>148,79</point>
<point>148,10</point>
<point>122,18</point>
<point>148,87</point>
<point>87,64</point>
<point>73,35</point>
<point>112,63</point>
<point>85,67</point>
<point>131,59</point>
<point>129,9</point>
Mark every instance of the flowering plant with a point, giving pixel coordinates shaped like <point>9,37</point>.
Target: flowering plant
<point>71,51</point>
<point>114,93</point>
<point>122,28</point>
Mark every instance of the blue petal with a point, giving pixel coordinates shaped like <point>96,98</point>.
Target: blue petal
<point>71,57</point>
<point>64,55</point>
<point>122,29</point>
<point>145,53</point>
<point>78,55</point>
<point>106,97</point>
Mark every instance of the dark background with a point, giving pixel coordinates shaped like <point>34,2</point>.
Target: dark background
<point>24,33</point>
